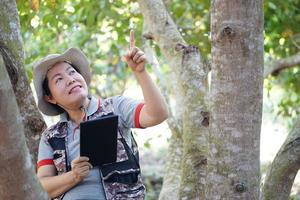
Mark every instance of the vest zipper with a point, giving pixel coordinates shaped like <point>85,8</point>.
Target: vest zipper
<point>67,151</point>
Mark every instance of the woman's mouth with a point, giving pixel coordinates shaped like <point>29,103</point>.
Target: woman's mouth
<point>75,88</point>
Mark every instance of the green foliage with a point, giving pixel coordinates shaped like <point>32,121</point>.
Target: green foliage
<point>192,18</point>
<point>99,28</point>
<point>282,33</point>
<point>294,197</point>
<point>281,25</point>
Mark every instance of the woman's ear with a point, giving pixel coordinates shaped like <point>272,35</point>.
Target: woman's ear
<point>49,99</point>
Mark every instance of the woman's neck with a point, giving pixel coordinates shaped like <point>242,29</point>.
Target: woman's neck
<point>78,115</point>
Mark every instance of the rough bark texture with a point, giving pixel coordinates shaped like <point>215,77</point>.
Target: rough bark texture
<point>280,177</point>
<point>171,183</point>
<point>191,84</point>
<point>193,80</point>
<point>12,53</point>
<point>275,67</point>
<point>236,99</point>
<point>17,176</point>
<point>172,176</point>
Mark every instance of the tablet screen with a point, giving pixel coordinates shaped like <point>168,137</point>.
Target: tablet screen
<point>98,139</point>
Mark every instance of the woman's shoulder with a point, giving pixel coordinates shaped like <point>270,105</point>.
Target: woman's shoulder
<point>56,130</point>
<point>111,101</point>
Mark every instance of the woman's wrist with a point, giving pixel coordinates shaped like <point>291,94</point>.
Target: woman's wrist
<point>139,74</point>
<point>76,179</point>
<point>139,71</point>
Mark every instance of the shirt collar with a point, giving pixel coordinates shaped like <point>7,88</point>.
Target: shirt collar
<point>92,108</point>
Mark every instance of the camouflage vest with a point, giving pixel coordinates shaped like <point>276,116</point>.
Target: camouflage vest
<point>122,179</point>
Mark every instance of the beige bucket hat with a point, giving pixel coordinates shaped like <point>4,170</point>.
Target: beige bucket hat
<point>73,56</point>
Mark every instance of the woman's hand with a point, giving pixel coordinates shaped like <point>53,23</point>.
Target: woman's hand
<point>135,58</point>
<point>80,168</point>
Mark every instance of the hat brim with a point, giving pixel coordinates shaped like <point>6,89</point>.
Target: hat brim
<point>73,56</point>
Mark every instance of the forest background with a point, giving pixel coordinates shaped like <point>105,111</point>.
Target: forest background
<point>101,30</point>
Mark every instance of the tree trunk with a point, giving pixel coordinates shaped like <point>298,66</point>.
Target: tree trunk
<point>171,183</point>
<point>280,177</point>
<point>12,52</point>
<point>172,176</point>
<point>191,83</point>
<point>17,176</point>
<point>236,99</point>
<point>193,80</point>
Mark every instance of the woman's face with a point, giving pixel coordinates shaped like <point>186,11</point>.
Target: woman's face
<point>68,88</point>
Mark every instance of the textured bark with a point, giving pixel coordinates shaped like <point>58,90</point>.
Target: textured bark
<point>172,176</point>
<point>166,86</point>
<point>280,176</point>
<point>193,80</point>
<point>236,99</point>
<point>191,84</point>
<point>275,67</point>
<point>17,176</point>
<point>12,53</point>
<point>171,183</point>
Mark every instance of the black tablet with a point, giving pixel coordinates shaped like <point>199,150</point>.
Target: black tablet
<point>98,139</point>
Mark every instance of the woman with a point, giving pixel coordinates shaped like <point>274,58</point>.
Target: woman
<point>61,82</point>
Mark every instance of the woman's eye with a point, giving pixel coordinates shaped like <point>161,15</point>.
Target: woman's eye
<point>58,80</point>
<point>72,72</point>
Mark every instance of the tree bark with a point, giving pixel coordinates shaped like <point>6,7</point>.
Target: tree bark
<point>17,176</point>
<point>172,176</point>
<point>281,174</point>
<point>236,99</point>
<point>275,67</point>
<point>171,183</point>
<point>193,80</point>
<point>12,52</point>
<point>191,83</point>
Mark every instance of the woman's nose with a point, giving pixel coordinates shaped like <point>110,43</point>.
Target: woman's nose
<point>70,80</point>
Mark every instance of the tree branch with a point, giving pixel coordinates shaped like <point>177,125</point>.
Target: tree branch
<point>172,175</point>
<point>173,122</point>
<point>275,67</point>
<point>280,176</point>
<point>161,28</point>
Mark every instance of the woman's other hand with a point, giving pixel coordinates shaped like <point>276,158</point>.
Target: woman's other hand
<point>80,168</point>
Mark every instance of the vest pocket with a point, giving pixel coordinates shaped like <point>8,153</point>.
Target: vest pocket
<point>131,191</point>
<point>127,177</point>
<point>125,172</point>
<point>59,159</point>
<point>118,191</point>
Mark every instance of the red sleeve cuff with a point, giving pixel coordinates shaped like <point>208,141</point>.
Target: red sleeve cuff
<point>45,162</point>
<point>137,115</point>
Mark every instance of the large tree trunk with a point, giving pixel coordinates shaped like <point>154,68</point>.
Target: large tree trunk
<point>12,53</point>
<point>236,99</point>
<point>281,174</point>
<point>17,176</point>
<point>191,83</point>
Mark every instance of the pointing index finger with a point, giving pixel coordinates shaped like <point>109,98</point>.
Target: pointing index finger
<point>132,40</point>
